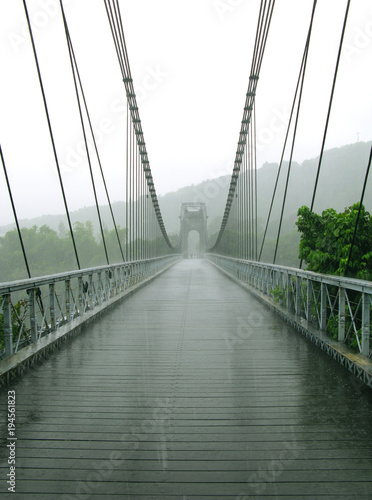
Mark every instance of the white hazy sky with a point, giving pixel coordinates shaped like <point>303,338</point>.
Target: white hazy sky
<point>190,61</point>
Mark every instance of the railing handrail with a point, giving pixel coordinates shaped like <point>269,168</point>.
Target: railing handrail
<point>331,279</point>
<point>44,312</point>
<point>334,304</point>
<point>30,283</point>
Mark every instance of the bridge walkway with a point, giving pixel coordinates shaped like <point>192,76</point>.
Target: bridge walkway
<point>189,389</point>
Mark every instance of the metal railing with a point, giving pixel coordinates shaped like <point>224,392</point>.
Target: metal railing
<point>337,305</point>
<point>31,309</point>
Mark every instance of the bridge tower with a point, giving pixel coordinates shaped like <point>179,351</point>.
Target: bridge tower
<point>193,218</point>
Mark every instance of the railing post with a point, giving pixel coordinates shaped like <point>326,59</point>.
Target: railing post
<point>90,292</point>
<point>99,287</point>
<point>52,306</point>
<point>323,306</point>
<point>121,278</point>
<point>107,285</point>
<point>261,279</point>
<point>116,281</point>
<point>256,278</point>
<point>130,276</point>
<point>274,281</point>
<point>125,277</point>
<point>270,281</point>
<point>267,281</point>
<point>8,334</point>
<point>289,292</point>
<point>67,300</point>
<point>33,319</point>
<point>298,295</point>
<point>80,300</point>
<point>111,283</point>
<point>308,298</point>
<point>281,287</point>
<point>366,322</point>
<point>341,314</point>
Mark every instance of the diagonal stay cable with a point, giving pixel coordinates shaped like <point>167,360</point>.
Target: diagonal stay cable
<point>359,211</point>
<point>330,103</point>
<point>73,70</point>
<point>329,109</point>
<point>91,127</point>
<point>283,152</point>
<point>300,77</point>
<point>15,213</point>
<point>51,134</point>
<point>295,130</point>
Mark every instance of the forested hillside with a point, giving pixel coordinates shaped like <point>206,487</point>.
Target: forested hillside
<point>340,185</point>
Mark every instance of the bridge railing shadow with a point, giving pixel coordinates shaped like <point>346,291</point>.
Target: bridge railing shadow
<point>34,308</point>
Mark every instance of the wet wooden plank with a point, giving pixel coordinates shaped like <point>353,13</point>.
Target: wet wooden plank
<point>191,389</point>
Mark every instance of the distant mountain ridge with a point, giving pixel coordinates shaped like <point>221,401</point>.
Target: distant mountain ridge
<point>340,185</point>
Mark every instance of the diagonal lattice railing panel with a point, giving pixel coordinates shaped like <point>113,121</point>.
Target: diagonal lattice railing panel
<point>336,305</point>
<point>33,308</point>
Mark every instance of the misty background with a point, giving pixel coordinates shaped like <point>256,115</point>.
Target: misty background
<point>190,62</point>
<point>340,185</point>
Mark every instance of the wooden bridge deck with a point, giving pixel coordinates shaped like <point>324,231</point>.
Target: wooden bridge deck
<point>190,389</point>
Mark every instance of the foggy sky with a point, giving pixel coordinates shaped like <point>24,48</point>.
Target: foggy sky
<point>190,61</point>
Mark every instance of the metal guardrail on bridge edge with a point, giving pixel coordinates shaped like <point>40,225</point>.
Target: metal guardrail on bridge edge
<point>33,308</point>
<point>333,304</point>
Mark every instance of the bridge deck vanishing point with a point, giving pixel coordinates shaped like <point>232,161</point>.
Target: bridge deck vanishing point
<point>190,389</point>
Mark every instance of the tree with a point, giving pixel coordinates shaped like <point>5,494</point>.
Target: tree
<point>326,241</point>
<point>90,254</point>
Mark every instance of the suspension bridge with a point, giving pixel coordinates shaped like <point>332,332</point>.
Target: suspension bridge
<point>157,376</point>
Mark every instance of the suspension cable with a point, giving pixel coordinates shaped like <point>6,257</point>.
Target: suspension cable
<point>329,110</point>
<point>51,133</point>
<point>126,187</point>
<point>71,48</point>
<point>15,213</point>
<point>283,152</point>
<point>295,131</point>
<point>255,178</point>
<point>73,70</point>
<point>263,26</point>
<point>117,31</point>
<point>330,104</point>
<point>360,208</point>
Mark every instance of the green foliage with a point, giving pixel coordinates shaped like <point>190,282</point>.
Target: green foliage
<point>18,316</point>
<point>332,327</point>
<point>278,293</point>
<point>49,252</point>
<point>326,241</point>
